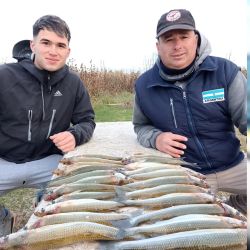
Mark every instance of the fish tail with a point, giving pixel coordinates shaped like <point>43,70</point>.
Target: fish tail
<point>120,194</point>
<point>192,164</point>
<point>120,235</point>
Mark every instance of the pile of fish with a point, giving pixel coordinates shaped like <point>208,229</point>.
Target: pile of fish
<point>140,202</point>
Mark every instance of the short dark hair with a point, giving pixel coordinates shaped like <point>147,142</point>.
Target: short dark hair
<point>52,23</point>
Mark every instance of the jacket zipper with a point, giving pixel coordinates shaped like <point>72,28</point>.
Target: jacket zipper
<point>51,122</point>
<point>43,103</point>
<point>173,112</point>
<point>30,120</point>
<point>190,121</point>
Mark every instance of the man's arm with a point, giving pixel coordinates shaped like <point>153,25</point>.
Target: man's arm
<point>82,120</point>
<point>82,127</point>
<point>146,133</point>
<point>151,137</point>
<point>237,98</point>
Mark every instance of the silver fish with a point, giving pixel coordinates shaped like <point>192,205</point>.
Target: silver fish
<point>103,218</point>
<point>177,210</point>
<point>52,194</point>
<point>87,205</point>
<point>72,178</point>
<point>219,239</point>
<point>50,236</point>
<point>172,199</point>
<point>186,223</point>
<point>167,180</point>
<point>160,190</point>
<point>86,195</point>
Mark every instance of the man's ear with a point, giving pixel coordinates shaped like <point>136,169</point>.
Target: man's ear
<point>32,45</point>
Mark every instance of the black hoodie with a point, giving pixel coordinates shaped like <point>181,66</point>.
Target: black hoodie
<point>35,104</point>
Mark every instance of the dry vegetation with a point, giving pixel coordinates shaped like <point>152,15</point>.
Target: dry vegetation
<point>102,81</point>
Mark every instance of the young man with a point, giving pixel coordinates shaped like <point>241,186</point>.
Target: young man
<point>45,110</point>
<point>188,103</point>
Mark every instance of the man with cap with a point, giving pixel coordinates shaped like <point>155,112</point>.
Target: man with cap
<point>188,103</point>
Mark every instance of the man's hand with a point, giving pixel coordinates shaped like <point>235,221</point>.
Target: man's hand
<point>65,141</point>
<point>170,143</point>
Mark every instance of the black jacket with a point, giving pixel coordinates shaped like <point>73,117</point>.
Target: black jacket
<point>35,104</point>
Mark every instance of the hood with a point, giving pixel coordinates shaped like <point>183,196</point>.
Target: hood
<point>203,51</point>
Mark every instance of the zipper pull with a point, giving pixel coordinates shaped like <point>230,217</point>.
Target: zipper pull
<point>184,95</point>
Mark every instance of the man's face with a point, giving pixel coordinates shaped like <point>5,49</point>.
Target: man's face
<point>177,48</point>
<point>51,51</point>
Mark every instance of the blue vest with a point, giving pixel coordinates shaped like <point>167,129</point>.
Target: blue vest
<point>200,112</point>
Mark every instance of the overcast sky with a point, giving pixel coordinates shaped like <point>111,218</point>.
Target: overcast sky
<point>120,34</point>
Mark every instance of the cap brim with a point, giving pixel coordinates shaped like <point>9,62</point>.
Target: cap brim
<point>175,27</point>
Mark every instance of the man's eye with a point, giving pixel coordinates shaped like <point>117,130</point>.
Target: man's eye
<point>168,39</point>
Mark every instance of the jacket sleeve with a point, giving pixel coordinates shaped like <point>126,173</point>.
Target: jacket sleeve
<point>237,97</point>
<point>146,133</point>
<point>82,120</point>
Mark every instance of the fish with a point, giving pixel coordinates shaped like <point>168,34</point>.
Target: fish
<point>185,223</point>
<point>98,217</point>
<point>107,157</point>
<point>160,173</point>
<point>87,205</point>
<point>172,199</point>
<point>82,168</point>
<point>233,212</point>
<point>160,190</point>
<point>51,194</point>
<point>177,210</point>
<point>85,195</point>
<point>69,179</point>
<point>167,180</point>
<point>203,239</point>
<point>89,160</point>
<point>156,167</point>
<point>141,164</point>
<point>59,235</point>
<point>158,159</point>
<point>114,179</point>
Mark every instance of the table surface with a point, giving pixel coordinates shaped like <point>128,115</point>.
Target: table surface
<point>113,138</point>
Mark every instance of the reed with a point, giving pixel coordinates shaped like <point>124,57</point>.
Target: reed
<point>101,81</point>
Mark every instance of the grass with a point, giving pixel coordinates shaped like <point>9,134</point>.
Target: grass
<point>110,108</point>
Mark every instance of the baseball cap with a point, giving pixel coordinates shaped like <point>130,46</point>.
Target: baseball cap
<point>175,19</point>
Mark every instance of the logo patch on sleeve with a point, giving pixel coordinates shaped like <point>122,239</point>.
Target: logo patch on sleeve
<point>214,95</point>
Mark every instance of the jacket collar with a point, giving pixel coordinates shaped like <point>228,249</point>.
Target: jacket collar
<point>42,75</point>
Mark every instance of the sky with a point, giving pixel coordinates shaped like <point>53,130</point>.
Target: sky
<point>120,34</point>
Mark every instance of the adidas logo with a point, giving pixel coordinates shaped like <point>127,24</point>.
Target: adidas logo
<point>58,93</point>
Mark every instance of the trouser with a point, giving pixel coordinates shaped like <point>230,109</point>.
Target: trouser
<point>33,174</point>
<point>233,180</point>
